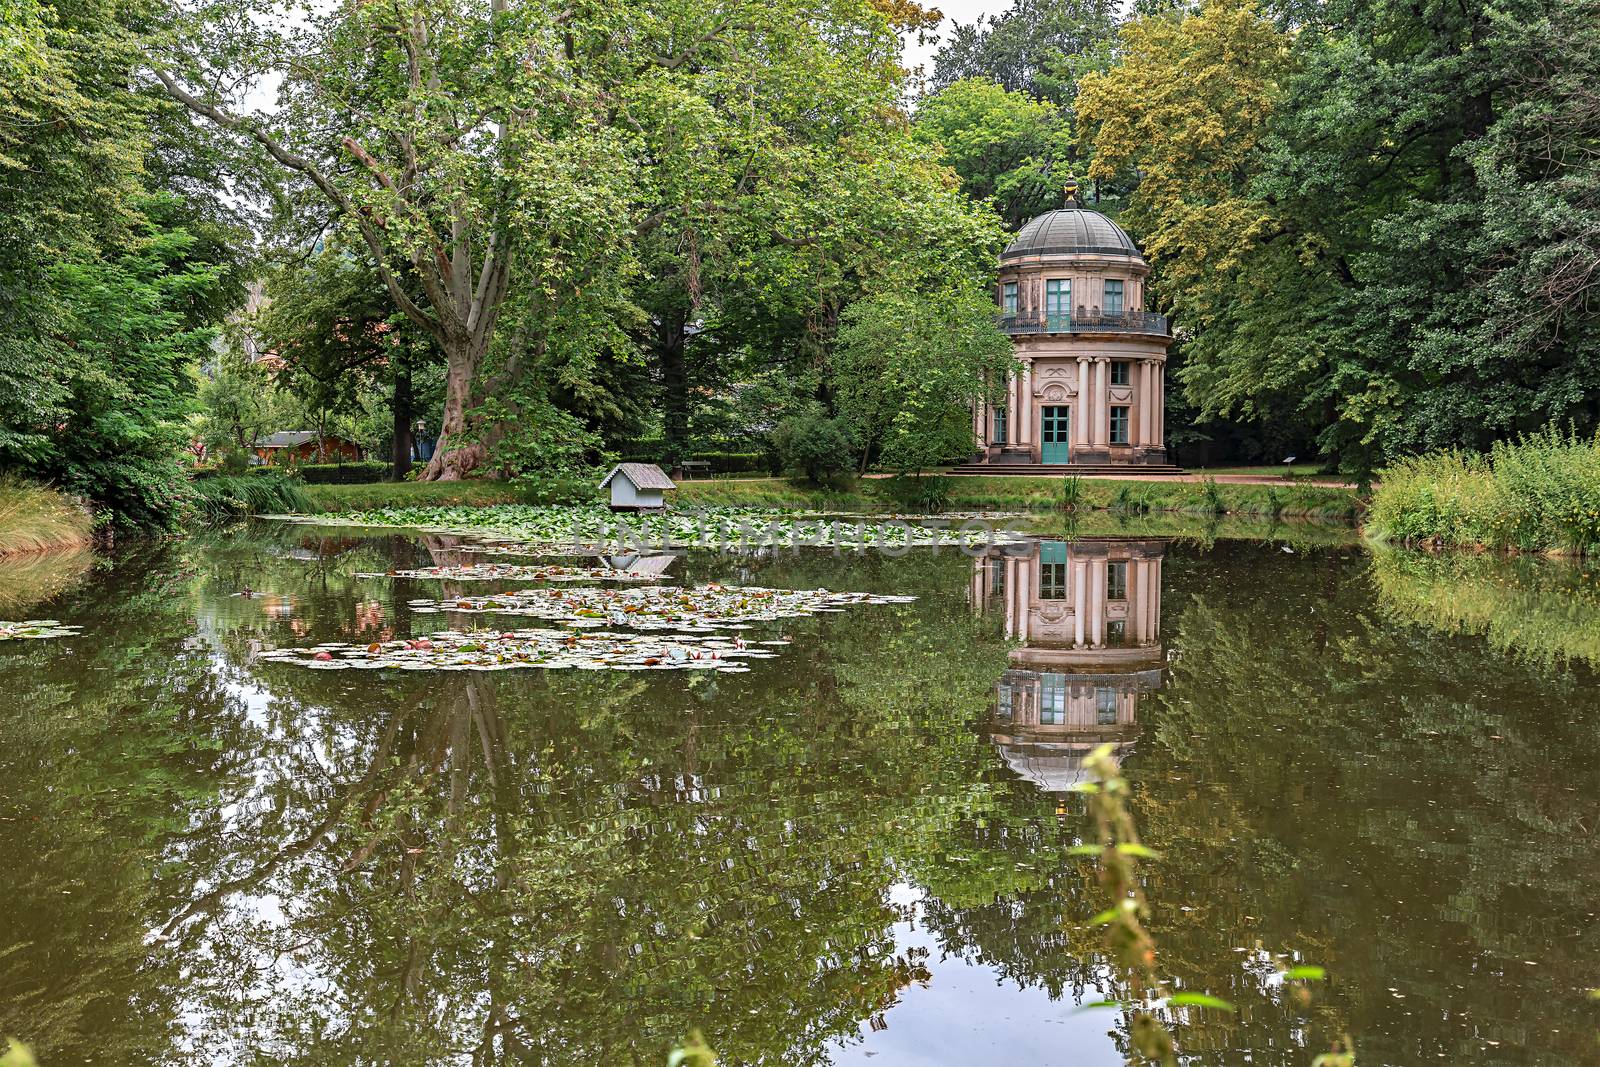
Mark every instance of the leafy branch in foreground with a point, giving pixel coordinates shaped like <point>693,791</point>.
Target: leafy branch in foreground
<point>1128,939</point>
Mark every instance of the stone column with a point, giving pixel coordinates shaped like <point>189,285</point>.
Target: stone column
<point>1102,410</point>
<point>1097,604</point>
<point>1080,578</point>
<point>1024,413</point>
<point>1025,597</point>
<point>1080,415</point>
<point>1008,595</point>
<point>1147,403</point>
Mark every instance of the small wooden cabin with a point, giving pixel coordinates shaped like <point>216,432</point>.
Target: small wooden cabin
<point>637,487</point>
<point>304,446</point>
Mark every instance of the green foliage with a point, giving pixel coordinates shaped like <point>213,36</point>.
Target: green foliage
<point>1036,46</point>
<point>1539,492</point>
<point>1131,501</point>
<point>1008,148</point>
<point>1071,492</point>
<point>36,518</point>
<point>1369,219</point>
<point>342,473</point>
<point>132,326</point>
<point>910,363</point>
<point>815,447</point>
<point>219,497</point>
<point>549,455</point>
<point>917,492</point>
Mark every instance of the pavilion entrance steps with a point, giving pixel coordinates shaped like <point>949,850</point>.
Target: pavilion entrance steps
<point>1061,470</point>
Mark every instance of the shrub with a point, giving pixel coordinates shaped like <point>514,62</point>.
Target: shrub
<point>1541,491</point>
<point>733,462</point>
<point>1551,482</point>
<point>261,492</point>
<point>1071,492</point>
<point>34,518</point>
<point>918,492</point>
<point>815,447</point>
<point>1449,495</point>
<point>363,473</point>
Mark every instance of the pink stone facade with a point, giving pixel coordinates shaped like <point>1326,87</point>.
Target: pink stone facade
<point>1071,292</point>
<point>1087,619</point>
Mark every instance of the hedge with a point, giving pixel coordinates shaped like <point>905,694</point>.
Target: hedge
<point>362,473</point>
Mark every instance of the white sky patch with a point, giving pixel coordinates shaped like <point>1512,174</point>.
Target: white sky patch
<point>954,11</point>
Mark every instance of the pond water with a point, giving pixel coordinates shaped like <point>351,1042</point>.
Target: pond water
<point>854,853</point>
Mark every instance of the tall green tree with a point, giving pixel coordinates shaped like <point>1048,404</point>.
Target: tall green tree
<point>1039,47</point>
<point>910,364</point>
<point>1371,226</point>
<point>1009,148</point>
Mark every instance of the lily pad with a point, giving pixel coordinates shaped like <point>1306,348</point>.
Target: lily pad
<point>36,629</point>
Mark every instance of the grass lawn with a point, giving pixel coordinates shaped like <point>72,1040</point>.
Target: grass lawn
<point>1272,470</point>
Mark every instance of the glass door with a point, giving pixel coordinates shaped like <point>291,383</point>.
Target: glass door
<point>1058,304</point>
<point>1055,434</point>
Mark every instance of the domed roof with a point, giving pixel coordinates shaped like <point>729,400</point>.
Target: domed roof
<point>1070,231</point>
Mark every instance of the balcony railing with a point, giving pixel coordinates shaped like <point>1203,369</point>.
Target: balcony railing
<point>1087,320</point>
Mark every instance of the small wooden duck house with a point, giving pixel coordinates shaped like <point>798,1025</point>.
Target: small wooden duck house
<point>637,487</point>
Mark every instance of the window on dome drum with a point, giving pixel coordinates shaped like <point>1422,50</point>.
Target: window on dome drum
<point>1105,706</point>
<point>1008,298</point>
<point>1119,373</point>
<point>1119,424</point>
<point>1113,298</point>
<point>1052,700</point>
<point>1117,632</point>
<point>1116,581</point>
<point>999,426</point>
<point>1058,303</point>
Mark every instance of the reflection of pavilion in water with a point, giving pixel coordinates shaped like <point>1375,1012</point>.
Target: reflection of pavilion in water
<point>1088,616</point>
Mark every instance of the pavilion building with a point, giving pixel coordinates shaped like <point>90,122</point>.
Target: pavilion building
<point>1091,389</point>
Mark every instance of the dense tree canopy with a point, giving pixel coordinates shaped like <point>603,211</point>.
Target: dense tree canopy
<point>645,227</point>
<point>1374,221</point>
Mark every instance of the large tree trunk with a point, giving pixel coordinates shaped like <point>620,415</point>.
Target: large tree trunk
<point>670,343</point>
<point>403,410</point>
<point>453,456</point>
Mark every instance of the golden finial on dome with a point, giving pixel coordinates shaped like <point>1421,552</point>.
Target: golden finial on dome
<point>1070,186</point>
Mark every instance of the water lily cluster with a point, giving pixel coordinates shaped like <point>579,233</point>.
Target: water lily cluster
<point>697,610</point>
<point>513,572</point>
<point>545,529</point>
<point>36,629</point>
<point>551,649</point>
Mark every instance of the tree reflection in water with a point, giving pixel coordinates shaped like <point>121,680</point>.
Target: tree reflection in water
<point>215,860</point>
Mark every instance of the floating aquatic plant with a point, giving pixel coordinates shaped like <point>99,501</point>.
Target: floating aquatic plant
<point>485,650</point>
<point>699,609</point>
<point>485,572</point>
<point>549,529</point>
<point>35,629</point>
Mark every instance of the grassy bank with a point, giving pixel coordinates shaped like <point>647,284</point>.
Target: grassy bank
<point>1540,493</point>
<point>34,518</point>
<point>329,498</point>
<point>1263,501</point>
<point>1195,498</point>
